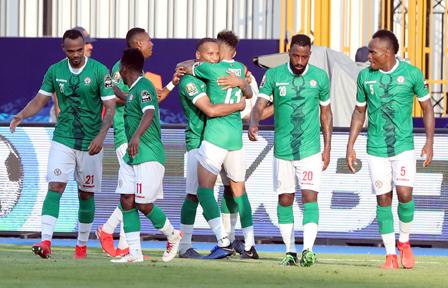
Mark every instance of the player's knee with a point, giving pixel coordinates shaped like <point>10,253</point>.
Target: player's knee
<point>309,196</point>
<point>192,197</point>
<point>57,186</point>
<point>145,208</point>
<point>286,199</point>
<point>83,195</point>
<point>384,199</point>
<point>127,201</point>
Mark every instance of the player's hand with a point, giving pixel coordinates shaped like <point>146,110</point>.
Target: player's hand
<point>180,71</point>
<point>133,146</point>
<point>230,81</point>
<point>242,103</point>
<point>159,94</point>
<point>96,145</point>
<point>427,153</point>
<point>351,159</point>
<point>325,159</point>
<point>120,94</point>
<point>248,76</point>
<point>252,133</point>
<point>15,122</point>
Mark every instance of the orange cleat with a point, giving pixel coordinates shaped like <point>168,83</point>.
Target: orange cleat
<point>107,241</point>
<point>121,252</point>
<point>43,249</point>
<point>391,262</point>
<point>407,258</point>
<point>80,252</point>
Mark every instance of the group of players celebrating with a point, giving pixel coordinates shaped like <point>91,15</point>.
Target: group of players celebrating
<point>213,90</point>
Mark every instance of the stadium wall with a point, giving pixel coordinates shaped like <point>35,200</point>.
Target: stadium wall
<point>346,200</point>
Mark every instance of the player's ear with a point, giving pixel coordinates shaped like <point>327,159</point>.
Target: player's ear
<point>234,54</point>
<point>198,55</point>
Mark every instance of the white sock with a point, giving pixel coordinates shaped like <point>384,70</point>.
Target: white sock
<point>113,221</point>
<point>122,243</point>
<point>220,233</point>
<point>405,229</point>
<point>168,231</point>
<point>83,233</point>
<point>185,242</point>
<point>229,223</point>
<point>309,235</point>
<point>389,243</point>
<point>249,238</point>
<point>287,231</point>
<point>133,239</point>
<point>47,227</point>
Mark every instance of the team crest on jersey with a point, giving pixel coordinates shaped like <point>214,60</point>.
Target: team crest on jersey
<point>61,87</point>
<point>87,80</point>
<point>117,77</point>
<point>400,79</point>
<point>237,72</point>
<point>282,90</point>
<point>146,97</point>
<point>313,83</point>
<point>191,89</point>
<point>107,81</point>
<point>378,184</point>
<point>57,172</point>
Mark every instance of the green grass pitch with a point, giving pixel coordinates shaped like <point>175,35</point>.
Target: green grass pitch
<point>20,268</point>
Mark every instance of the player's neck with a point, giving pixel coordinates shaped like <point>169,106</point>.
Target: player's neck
<point>133,77</point>
<point>80,65</point>
<point>390,65</point>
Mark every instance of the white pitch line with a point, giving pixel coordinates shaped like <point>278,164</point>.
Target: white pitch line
<point>370,260</point>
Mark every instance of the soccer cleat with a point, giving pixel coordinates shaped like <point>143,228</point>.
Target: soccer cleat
<point>238,245</point>
<point>289,260</point>
<point>43,249</point>
<point>129,258</point>
<point>251,254</point>
<point>106,240</point>
<point>220,252</point>
<point>391,262</point>
<point>407,258</point>
<point>172,247</point>
<point>190,253</point>
<point>308,258</point>
<point>80,252</point>
<point>121,252</point>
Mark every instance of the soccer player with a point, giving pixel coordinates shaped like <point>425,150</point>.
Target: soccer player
<point>197,107</point>
<point>386,90</point>
<point>82,85</point>
<point>141,176</point>
<point>140,39</point>
<point>299,90</point>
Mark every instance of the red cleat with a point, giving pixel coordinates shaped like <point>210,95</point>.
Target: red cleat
<point>80,252</point>
<point>407,258</point>
<point>391,262</point>
<point>43,249</point>
<point>120,253</point>
<point>107,241</point>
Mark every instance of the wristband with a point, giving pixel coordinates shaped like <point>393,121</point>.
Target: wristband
<point>170,86</point>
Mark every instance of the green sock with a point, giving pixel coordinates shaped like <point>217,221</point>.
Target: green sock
<point>157,217</point>
<point>285,214</point>
<point>188,212</point>
<point>131,221</point>
<point>406,211</point>
<point>385,219</point>
<point>245,210</point>
<point>228,205</point>
<point>86,211</point>
<point>208,203</point>
<point>310,213</point>
<point>51,204</point>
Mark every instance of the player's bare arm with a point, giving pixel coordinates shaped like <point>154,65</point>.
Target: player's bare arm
<point>120,94</point>
<point>255,118</point>
<point>232,81</point>
<point>187,66</point>
<point>268,112</point>
<point>326,122</point>
<point>358,118</point>
<point>145,122</point>
<point>219,110</point>
<point>180,71</point>
<point>31,109</point>
<point>97,144</point>
<point>428,122</point>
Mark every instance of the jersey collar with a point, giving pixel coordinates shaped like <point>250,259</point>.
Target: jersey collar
<point>228,61</point>
<point>135,82</point>
<point>79,70</point>
<point>397,62</point>
<point>290,70</point>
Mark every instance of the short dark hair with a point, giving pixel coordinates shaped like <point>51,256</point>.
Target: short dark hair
<point>72,34</point>
<point>301,39</point>
<point>131,35</point>
<point>229,38</point>
<point>203,41</point>
<point>133,59</point>
<point>388,36</point>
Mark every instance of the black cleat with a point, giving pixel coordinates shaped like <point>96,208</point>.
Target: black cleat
<point>251,254</point>
<point>238,246</point>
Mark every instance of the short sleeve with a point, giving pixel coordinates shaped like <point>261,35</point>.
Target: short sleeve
<point>266,86</point>
<point>105,83</point>
<point>147,98</point>
<point>193,89</point>
<point>203,70</point>
<point>420,86</point>
<point>117,80</point>
<point>361,97</point>
<point>324,93</point>
<point>47,87</point>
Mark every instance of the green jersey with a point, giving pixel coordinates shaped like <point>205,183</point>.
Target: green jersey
<point>79,92</point>
<point>142,96</point>
<point>225,132</point>
<point>296,100</point>
<point>389,97</point>
<point>119,133</point>
<point>190,90</point>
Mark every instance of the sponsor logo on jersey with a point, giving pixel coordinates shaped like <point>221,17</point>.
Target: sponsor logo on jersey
<point>87,80</point>
<point>237,72</point>
<point>400,79</point>
<point>191,89</point>
<point>57,172</point>
<point>281,83</point>
<point>61,80</point>
<point>378,184</point>
<point>146,96</point>
<point>313,83</point>
<point>107,81</point>
<point>370,82</point>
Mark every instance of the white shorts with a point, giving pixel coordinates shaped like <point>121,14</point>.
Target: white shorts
<point>307,170</point>
<point>123,187</point>
<point>144,180</point>
<point>64,161</point>
<point>214,158</point>
<point>192,172</point>
<point>399,169</point>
